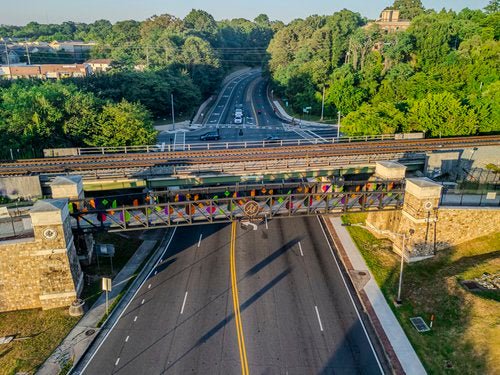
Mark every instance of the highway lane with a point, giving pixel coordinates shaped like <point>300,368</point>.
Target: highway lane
<point>296,315</point>
<point>296,312</point>
<point>260,121</point>
<point>171,331</point>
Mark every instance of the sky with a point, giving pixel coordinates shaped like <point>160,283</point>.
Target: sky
<point>57,11</point>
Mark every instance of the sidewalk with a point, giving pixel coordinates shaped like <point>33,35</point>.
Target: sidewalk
<point>281,111</point>
<point>81,336</point>
<point>385,323</point>
<point>183,126</point>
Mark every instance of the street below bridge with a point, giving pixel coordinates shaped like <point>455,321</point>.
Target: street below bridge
<point>250,91</point>
<point>227,299</point>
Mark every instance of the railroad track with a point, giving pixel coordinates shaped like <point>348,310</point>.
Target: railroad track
<point>120,161</point>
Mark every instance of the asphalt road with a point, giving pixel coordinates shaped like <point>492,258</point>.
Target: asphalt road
<point>296,314</point>
<point>260,121</point>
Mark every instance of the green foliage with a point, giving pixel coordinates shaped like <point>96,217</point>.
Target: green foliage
<point>408,9</point>
<point>439,76</point>
<point>441,114</point>
<point>123,124</point>
<point>383,118</point>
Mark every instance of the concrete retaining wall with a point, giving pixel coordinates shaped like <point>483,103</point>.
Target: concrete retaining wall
<point>454,225</point>
<point>26,187</point>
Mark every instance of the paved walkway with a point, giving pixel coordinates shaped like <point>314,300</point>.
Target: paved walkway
<point>77,341</point>
<point>401,347</point>
<point>282,112</point>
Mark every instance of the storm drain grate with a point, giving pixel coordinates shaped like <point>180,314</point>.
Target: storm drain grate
<point>419,324</point>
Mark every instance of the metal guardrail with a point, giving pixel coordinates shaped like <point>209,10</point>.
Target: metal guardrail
<point>164,147</point>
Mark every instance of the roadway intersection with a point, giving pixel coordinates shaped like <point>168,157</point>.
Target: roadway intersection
<point>260,121</point>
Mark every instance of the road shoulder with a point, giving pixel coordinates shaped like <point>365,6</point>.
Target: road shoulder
<point>397,347</point>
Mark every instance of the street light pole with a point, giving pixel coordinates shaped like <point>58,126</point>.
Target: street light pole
<point>403,251</point>
<point>323,104</point>
<point>173,114</point>
<point>338,126</point>
<point>398,299</point>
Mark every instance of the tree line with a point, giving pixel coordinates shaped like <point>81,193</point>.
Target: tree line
<point>152,59</point>
<point>439,76</point>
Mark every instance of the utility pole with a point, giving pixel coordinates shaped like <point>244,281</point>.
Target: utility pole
<point>27,51</point>
<point>173,114</point>
<point>8,58</point>
<point>147,57</point>
<point>323,104</point>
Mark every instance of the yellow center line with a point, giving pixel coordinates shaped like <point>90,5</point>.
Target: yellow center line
<point>236,302</point>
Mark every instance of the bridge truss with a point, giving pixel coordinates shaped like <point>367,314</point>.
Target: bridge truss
<point>214,205</point>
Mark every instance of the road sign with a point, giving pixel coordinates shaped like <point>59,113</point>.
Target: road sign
<point>106,284</point>
<point>251,208</point>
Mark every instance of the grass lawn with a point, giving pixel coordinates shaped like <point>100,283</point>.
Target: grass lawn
<point>125,247</point>
<point>465,338</point>
<point>39,332</point>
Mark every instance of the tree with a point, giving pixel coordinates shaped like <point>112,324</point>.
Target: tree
<point>202,24</point>
<point>202,63</point>
<point>383,118</point>
<point>441,114</point>
<point>344,91</point>
<point>408,9</point>
<point>124,124</point>
<point>492,7</point>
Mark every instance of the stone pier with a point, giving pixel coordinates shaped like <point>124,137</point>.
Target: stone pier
<point>72,187</point>
<point>427,227</point>
<point>41,271</point>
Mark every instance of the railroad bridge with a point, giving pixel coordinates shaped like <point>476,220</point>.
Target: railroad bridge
<point>182,207</point>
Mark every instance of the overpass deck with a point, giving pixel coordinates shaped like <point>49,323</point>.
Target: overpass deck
<point>257,202</point>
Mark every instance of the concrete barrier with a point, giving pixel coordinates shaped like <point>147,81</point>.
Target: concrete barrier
<point>25,187</point>
<point>52,152</point>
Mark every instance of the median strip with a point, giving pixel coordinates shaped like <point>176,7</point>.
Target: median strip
<point>236,303</point>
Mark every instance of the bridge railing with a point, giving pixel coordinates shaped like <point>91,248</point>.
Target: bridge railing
<point>214,204</point>
<point>452,197</point>
<point>221,145</point>
<point>208,211</point>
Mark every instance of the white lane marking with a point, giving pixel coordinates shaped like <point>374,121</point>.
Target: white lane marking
<point>156,272</point>
<point>117,361</point>
<point>316,135</point>
<point>126,339</point>
<point>142,302</point>
<point>266,224</point>
<point>135,319</point>
<point>184,303</point>
<point>350,296</point>
<point>149,286</point>
<point>300,248</point>
<point>319,319</point>
<point>126,307</point>
<point>199,241</point>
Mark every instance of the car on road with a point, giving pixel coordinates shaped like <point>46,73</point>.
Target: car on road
<point>211,136</point>
<point>238,120</point>
<point>259,111</point>
<point>272,139</point>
